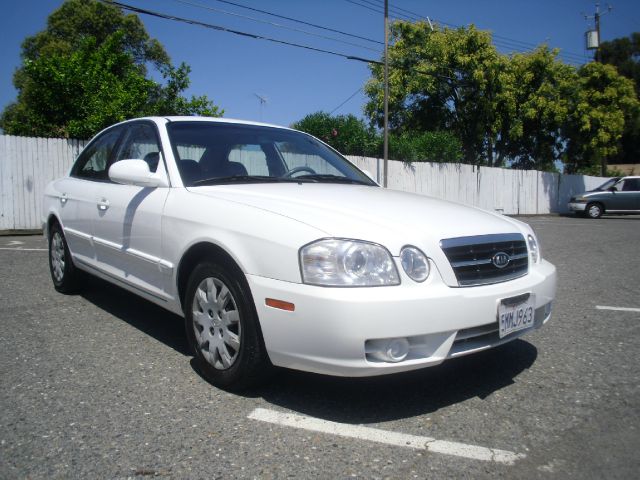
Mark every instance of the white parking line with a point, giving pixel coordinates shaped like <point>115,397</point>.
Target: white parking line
<point>618,309</point>
<point>473,452</point>
<point>25,249</point>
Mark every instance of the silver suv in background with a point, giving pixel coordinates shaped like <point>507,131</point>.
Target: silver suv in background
<point>616,195</point>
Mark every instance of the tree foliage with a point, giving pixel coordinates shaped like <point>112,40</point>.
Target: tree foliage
<point>436,146</point>
<point>534,105</point>
<point>440,80</point>
<point>88,69</point>
<point>624,54</point>
<point>351,136</point>
<point>603,101</point>
<point>346,133</point>
<point>526,110</point>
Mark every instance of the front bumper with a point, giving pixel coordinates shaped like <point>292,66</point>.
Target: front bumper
<point>577,207</point>
<point>329,328</point>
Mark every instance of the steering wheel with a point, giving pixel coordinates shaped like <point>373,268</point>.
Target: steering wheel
<point>295,170</point>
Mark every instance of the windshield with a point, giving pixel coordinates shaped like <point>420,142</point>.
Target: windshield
<point>210,153</point>
<point>608,184</point>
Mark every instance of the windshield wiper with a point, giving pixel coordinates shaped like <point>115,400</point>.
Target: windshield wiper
<point>329,178</point>
<point>236,179</point>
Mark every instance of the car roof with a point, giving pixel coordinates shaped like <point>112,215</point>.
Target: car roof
<point>186,118</point>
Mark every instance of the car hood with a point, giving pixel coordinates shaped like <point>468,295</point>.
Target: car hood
<point>390,218</point>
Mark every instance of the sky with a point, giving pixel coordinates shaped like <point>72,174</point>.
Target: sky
<point>233,70</point>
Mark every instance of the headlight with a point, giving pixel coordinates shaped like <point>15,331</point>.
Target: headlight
<point>347,263</point>
<point>414,263</point>
<point>534,250</point>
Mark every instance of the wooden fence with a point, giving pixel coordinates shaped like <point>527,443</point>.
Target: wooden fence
<point>28,164</point>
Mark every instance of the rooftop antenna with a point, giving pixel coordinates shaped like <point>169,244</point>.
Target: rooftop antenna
<point>263,100</point>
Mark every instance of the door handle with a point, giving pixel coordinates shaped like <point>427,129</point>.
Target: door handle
<point>103,205</point>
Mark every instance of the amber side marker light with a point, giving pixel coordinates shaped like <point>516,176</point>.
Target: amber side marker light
<point>281,304</point>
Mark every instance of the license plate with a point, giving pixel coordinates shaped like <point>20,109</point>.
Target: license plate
<point>514,315</point>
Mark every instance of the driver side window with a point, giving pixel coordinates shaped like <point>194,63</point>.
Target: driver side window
<point>141,143</point>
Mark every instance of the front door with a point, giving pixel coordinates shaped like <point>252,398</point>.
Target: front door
<point>77,195</point>
<point>127,221</point>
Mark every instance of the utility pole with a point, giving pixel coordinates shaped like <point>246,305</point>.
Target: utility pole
<point>596,17</point>
<point>593,43</point>
<point>593,36</point>
<point>386,93</point>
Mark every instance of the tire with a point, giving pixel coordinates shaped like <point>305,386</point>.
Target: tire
<point>64,274</point>
<point>594,210</point>
<point>223,329</point>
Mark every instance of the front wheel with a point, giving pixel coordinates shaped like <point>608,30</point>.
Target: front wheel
<point>64,274</point>
<point>594,210</point>
<point>222,328</point>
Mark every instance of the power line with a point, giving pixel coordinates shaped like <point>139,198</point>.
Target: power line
<point>380,4</point>
<point>350,97</point>
<point>166,16</point>
<point>220,28</point>
<point>189,21</point>
<point>299,21</point>
<point>377,9</point>
<point>365,6</point>
<point>500,40</point>
<point>286,27</point>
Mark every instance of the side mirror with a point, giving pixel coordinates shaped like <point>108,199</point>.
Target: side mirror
<point>613,188</point>
<point>134,172</point>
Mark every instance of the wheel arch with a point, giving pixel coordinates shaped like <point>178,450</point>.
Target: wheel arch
<point>194,255</point>
<point>51,220</point>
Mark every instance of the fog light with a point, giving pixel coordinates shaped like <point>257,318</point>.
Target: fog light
<point>397,349</point>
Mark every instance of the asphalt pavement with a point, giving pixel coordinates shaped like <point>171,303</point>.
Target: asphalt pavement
<point>102,385</point>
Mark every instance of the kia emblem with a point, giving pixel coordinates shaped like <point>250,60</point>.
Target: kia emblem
<point>500,260</point>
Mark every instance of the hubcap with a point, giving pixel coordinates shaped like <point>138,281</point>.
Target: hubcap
<point>594,210</point>
<point>57,256</point>
<point>216,323</point>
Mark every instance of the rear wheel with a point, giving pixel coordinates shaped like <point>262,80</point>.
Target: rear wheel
<point>64,274</point>
<point>594,210</point>
<point>222,328</point>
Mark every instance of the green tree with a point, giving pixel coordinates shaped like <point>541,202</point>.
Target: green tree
<point>425,147</point>
<point>624,54</point>
<point>88,69</point>
<point>534,105</point>
<point>442,80</point>
<point>346,133</point>
<point>351,136</point>
<point>602,101</point>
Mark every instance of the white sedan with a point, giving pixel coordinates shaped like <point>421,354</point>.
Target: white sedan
<point>279,251</point>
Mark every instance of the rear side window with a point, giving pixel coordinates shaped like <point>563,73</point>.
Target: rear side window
<point>94,160</point>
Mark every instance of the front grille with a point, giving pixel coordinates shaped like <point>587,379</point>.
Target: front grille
<point>472,258</point>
